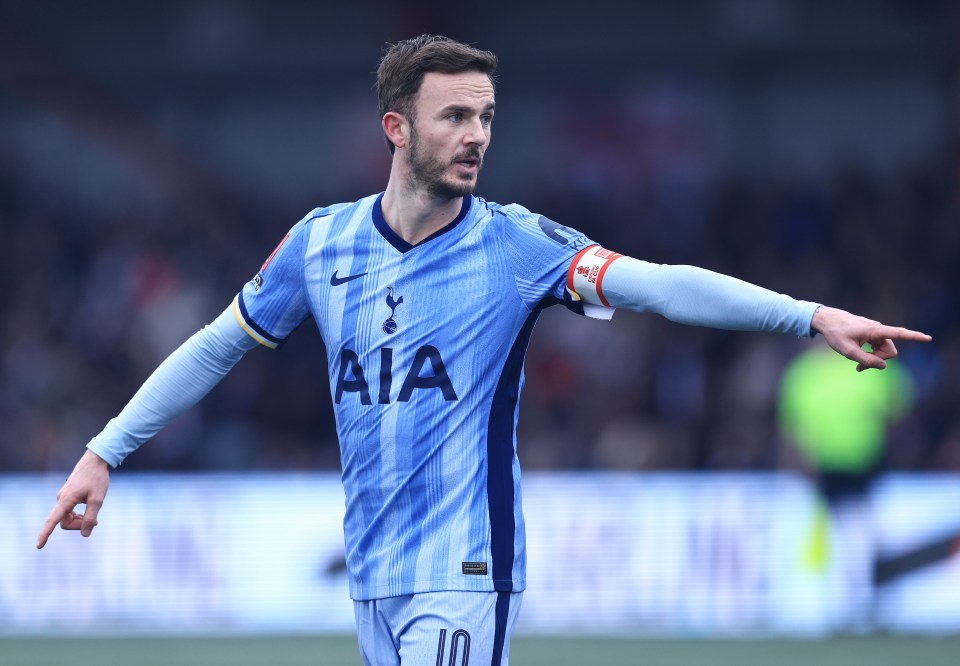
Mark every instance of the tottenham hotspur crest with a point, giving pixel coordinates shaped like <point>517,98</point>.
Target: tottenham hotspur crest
<point>390,325</point>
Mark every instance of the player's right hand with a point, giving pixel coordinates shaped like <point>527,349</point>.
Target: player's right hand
<point>87,484</point>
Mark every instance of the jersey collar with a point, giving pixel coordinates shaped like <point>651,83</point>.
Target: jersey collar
<point>403,246</point>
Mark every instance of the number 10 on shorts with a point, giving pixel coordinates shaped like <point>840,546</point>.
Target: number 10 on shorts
<point>459,644</point>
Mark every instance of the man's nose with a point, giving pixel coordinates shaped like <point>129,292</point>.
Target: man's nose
<point>476,133</point>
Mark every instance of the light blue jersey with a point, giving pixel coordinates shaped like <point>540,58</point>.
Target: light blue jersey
<point>425,349</point>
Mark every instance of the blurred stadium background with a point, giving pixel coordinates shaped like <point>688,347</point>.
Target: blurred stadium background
<point>151,156</point>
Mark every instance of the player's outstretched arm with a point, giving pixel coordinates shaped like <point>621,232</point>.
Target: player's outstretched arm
<point>691,295</point>
<point>177,384</point>
<point>696,296</point>
<point>87,484</point>
<point>847,333</point>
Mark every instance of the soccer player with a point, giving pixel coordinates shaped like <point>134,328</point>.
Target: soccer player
<point>426,296</point>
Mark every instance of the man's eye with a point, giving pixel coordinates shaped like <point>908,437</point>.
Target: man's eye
<point>486,118</point>
<point>456,117</point>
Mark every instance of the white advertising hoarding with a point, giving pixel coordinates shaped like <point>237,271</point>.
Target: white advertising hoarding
<point>608,553</point>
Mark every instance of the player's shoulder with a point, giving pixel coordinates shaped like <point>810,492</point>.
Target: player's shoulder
<point>325,214</point>
<point>530,226</point>
<point>506,218</point>
<point>513,212</point>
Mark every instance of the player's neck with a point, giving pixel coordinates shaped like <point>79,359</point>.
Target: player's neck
<point>415,215</point>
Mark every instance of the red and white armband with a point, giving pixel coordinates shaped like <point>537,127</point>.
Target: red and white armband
<point>585,275</point>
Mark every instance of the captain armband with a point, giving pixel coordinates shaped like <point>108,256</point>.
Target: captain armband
<point>585,275</point>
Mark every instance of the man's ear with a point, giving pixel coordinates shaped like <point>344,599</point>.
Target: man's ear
<point>397,128</point>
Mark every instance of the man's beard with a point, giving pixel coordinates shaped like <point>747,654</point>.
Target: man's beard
<point>427,171</point>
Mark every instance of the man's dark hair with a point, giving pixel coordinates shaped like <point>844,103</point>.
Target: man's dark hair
<point>405,63</point>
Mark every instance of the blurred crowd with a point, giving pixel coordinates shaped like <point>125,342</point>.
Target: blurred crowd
<point>149,166</point>
<point>94,300</point>
<point>655,395</point>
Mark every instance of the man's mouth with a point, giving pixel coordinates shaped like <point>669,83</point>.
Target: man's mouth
<point>469,161</point>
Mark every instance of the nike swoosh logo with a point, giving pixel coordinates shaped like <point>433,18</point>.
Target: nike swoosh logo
<point>336,281</point>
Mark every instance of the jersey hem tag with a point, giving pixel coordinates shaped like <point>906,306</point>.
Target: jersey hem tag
<point>474,568</point>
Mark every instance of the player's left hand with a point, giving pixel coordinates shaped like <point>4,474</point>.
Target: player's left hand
<point>847,333</point>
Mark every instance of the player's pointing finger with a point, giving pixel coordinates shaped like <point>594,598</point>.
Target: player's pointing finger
<point>60,513</point>
<point>900,333</point>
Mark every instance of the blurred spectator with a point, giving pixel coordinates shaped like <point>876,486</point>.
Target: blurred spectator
<point>839,421</point>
